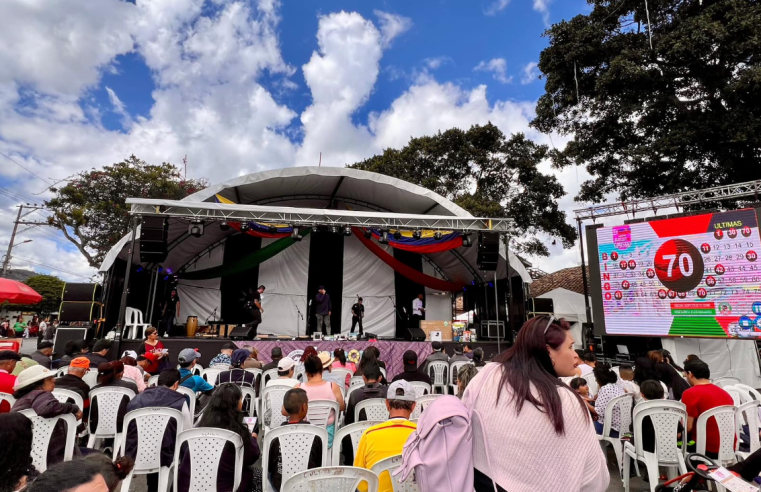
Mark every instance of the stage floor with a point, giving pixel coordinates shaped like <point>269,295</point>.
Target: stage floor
<point>391,351</point>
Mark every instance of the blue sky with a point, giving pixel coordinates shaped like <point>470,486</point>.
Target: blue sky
<point>247,85</point>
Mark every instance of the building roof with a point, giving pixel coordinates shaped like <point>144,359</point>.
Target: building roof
<point>567,278</point>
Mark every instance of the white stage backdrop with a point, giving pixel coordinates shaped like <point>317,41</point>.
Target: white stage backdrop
<point>200,297</point>
<point>285,277</point>
<point>735,358</point>
<point>438,305</point>
<point>370,278</point>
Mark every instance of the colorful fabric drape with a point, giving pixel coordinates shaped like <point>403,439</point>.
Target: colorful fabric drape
<point>427,242</point>
<point>406,271</point>
<point>254,259</point>
<point>258,229</point>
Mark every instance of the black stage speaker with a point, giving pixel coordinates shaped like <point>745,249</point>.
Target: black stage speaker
<point>79,311</point>
<point>488,251</point>
<point>63,335</point>
<point>414,335</point>
<point>153,237</point>
<point>540,305</point>
<point>240,332</point>
<point>81,292</point>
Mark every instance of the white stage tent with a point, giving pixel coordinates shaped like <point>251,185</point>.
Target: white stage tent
<point>570,306</point>
<point>286,274</point>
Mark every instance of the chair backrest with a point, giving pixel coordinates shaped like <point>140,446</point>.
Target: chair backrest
<point>256,372</point>
<point>9,398</point>
<point>389,465</point>
<point>210,374</point>
<point>421,388</point>
<point>64,395</point>
<point>249,399</point>
<point>138,316</point>
<point>624,405</point>
<point>62,371</point>
<point>354,431</point>
<point>350,391</point>
<point>272,398</point>
<point>356,381</point>
<point>454,369</point>
<point>383,372</point>
<point>153,381</point>
<point>42,432</point>
<point>320,410</point>
<point>108,400</point>
<point>129,315</point>
<point>748,413</point>
<point>375,409</point>
<point>725,416</point>
<point>151,423</point>
<point>666,416</point>
<point>738,396</point>
<point>91,378</point>
<point>342,373</point>
<point>191,397</point>
<point>331,479</point>
<point>205,446</point>
<point>267,375</point>
<point>421,403</point>
<point>437,371</point>
<point>295,447</point>
<point>725,381</point>
<point>753,393</point>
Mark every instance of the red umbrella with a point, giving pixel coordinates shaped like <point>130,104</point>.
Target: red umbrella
<point>17,293</point>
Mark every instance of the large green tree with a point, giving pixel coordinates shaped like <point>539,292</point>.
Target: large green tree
<point>487,175</point>
<point>50,288</point>
<point>682,114</point>
<point>91,210</point>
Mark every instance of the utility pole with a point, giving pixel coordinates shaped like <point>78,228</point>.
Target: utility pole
<point>32,208</point>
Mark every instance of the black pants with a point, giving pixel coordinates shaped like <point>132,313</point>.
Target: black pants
<point>253,325</point>
<point>354,321</point>
<point>167,321</point>
<point>415,321</point>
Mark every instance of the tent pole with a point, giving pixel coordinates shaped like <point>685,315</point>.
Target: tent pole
<point>152,295</point>
<point>509,290</point>
<point>125,289</point>
<point>585,282</point>
<point>496,307</point>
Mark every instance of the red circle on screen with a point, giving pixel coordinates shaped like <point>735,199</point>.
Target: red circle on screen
<point>679,265</point>
<point>719,269</point>
<point>681,295</point>
<point>672,294</point>
<point>718,234</point>
<point>705,248</point>
<point>625,284</point>
<point>650,273</point>
<point>618,295</point>
<point>710,281</point>
<point>746,231</point>
<point>702,293</point>
<point>732,233</point>
<point>751,256</point>
<point>632,264</point>
<point>662,293</point>
<point>614,256</point>
<point>622,265</point>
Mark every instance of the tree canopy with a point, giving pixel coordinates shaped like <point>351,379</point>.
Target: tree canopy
<point>91,209</point>
<point>50,288</point>
<point>486,174</point>
<point>682,114</point>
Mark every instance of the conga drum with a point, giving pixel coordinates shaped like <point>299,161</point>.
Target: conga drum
<point>191,326</point>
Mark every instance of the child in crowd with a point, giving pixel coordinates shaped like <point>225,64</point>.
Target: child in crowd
<point>626,382</point>
<point>295,407</point>
<point>649,390</point>
<point>581,386</point>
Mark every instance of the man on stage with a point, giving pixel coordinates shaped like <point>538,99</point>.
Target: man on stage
<point>357,313</point>
<point>418,311</point>
<point>171,311</point>
<point>254,307</point>
<point>322,310</point>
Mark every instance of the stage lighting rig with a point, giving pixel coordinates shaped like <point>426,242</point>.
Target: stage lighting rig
<point>224,226</point>
<point>368,233</point>
<point>383,239</point>
<point>397,235</point>
<point>244,227</point>
<point>466,241</point>
<point>347,231</point>
<point>195,228</point>
<point>334,229</point>
<point>295,234</point>
<point>417,234</point>
<point>273,230</point>
<point>437,235</point>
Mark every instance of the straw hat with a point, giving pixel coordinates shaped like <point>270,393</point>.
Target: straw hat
<point>31,376</point>
<point>326,359</point>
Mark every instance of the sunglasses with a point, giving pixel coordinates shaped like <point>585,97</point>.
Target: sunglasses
<point>549,323</point>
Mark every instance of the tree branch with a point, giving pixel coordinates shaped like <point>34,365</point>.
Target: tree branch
<point>80,246</point>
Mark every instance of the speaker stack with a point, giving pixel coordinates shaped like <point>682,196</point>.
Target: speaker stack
<point>488,251</point>
<point>80,304</point>
<point>153,239</point>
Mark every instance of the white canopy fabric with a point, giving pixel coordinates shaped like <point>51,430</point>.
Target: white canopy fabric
<point>569,305</point>
<point>734,358</point>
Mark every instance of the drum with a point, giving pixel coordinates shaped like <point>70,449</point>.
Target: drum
<point>191,326</point>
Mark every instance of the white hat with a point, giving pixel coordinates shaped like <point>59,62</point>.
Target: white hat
<point>285,364</point>
<point>130,353</point>
<point>326,359</point>
<point>32,375</point>
<point>401,390</point>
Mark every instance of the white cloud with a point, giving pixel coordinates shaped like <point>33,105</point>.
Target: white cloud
<point>391,26</point>
<point>498,68</point>
<point>531,73</point>
<point>436,62</point>
<point>495,7</point>
<point>543,7</point>
<point>119,107</point>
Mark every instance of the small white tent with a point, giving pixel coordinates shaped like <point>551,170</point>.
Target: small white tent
<point>570,306</point>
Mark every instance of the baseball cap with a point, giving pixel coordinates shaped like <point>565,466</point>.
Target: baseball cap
<point>130,353</point>
<point>31,375</point>
<point>410,360</point>
<point>436,345</point>
<point>401,390</point>
<point>80,363</point>
<point>285,364</point>
<point>239,356</point>
<point>44,345</point>
<point>187,355</point>
<point>9,355</point>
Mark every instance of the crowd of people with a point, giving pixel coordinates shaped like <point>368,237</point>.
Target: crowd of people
<point>34,327</point>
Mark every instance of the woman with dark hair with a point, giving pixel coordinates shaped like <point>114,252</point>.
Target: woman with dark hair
<point>606,381</point>
<point>370,356</point>
<point>17,469</point>
<point>528,415</point>
<point>152,345</point>
<point>341,363</point>
<point>224,412</point>
<point>644,370</point>
<point>113,471</point>
<point>668,375</point>
<point>668,359</point>
<point>478,357</point>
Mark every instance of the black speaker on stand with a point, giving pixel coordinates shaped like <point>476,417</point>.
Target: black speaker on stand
<point>488,251</point>
<point>153,237</point>
<point>414,335</point>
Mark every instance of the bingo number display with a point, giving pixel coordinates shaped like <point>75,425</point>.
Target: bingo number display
<point>687,276</point>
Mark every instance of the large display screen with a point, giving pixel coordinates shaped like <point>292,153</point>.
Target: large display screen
<point>688,276</point>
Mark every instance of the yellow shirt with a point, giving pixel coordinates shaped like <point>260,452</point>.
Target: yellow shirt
<point>379,442</point>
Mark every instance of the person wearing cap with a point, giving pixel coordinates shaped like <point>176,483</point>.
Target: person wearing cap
<point>237,374</point>
<point>275,354</point>
<point>319,389</point>
<point>149,363</point>
<point>8,359</point>
<point>323,309</point>
<point>225,355</point>
<point>253,361</point>
<point>387,439</point>
<point>372,389</point>
<point>286,367</point>
<point>43,353</point>
<point>459,356</point>
<point>437,355</point>
<point>327,369</point>
<point>187,360</point>
<point>411,371</point>
<point>33,391</point>
<point>131,371</point>
<point>98,354</point>
<point>72,380</point>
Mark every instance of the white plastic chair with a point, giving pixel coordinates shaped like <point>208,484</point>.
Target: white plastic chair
<point>356,381</point>
<point>421,388</point>
<point>153,381</point>
<point>191,397</point>
<point>320,410</point>
<point>42,430</point>
<point>666,415</point>
<point>210,374</point>
<point>421,402</point>
<point>375,409</point>
<point>253,402</point>
<point>725,416</point>
<point>267,375</point>
<point>331,479</point>
<point>9,398</point>
<point>389,465</point>
<point>383,372</point>
<point>108,400</point>
<point>437,371</point>
<point>204,447</point>
<point>748,413</point>
<point>295,447</point>
<point>258,373</point>
<point>134,327</point>
<point>342,374</point>
<point>351,390</point>
<point>454,370</point>
<point>151,424</point>
<point>272,402</point>
<point>62,371</point>
<point>91,378</point>
<point>725,381</point>
<point>63,395</point>
<point>738,396</point>
<point>624,404</point>
<point>354,431</point>
<point>752,393</point>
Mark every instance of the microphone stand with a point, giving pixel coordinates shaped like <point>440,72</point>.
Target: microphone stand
<point>297,319</point>
<point>212,315</point>
<point>306,324</point>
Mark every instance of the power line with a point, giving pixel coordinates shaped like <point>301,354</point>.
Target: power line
<point>51,267</point>
<point>27,170</point>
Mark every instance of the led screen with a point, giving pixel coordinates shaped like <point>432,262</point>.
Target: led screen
<point>687,276</point>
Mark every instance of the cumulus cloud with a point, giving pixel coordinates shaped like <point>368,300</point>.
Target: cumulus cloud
<point>496,7</point>
<point>391,25</point>
<point>543,7</point>
<point>530,73</point>
<point>119,107</point>
<point>498,68</point>
<point>436,62</point>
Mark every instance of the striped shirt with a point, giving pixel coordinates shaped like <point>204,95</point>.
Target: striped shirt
<point>379,442</point>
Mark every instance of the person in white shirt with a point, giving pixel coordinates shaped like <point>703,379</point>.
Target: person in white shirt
<point>285,369</point>
<point>418,311</point>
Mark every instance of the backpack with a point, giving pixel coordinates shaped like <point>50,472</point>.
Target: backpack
<point>441,449</point>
